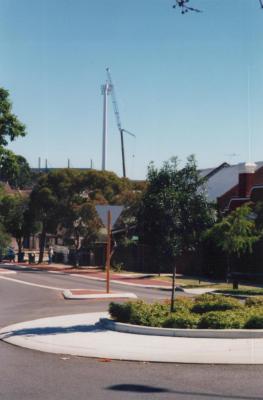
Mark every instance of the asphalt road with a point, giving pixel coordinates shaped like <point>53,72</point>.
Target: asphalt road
<point>31,375</point>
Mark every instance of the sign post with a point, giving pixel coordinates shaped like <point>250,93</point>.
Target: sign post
<point>108,215</point>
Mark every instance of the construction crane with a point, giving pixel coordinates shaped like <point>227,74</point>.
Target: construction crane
<point>118,120</point>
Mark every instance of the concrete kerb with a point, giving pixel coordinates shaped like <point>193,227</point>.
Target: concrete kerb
<point>117,295</point>
<point>187,333</point>
<point>81,335</point>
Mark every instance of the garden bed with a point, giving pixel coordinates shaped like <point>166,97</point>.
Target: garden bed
<point>208,311</point>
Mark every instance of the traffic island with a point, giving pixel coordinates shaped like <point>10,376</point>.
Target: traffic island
<point>84,294</point>
<point>83,335</point>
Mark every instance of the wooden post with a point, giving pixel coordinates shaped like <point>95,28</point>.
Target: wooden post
<point>108,253</point>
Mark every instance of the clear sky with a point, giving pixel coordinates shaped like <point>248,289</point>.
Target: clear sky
<point>181,80</point>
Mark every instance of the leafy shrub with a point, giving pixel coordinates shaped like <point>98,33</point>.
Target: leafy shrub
<point>205,312</point>
<point>183,304</point>
<point>120,312</point>
<point>183,320</point>
<point>254,322</point>
<point>117,267</point>
<point>206,303</point>
<point>148,314</point>
<point>256,301</point>
<point>230,319</point>
<point>139,313</point>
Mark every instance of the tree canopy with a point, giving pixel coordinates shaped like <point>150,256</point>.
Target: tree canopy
<point>174,211</point>
<point>10,126</point>
<point>236,233</point>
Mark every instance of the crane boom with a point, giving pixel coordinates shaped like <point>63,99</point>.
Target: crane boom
<point>114,100</point>
<point>118,120</point>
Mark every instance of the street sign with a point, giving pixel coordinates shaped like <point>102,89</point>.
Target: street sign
<point>103,213</point>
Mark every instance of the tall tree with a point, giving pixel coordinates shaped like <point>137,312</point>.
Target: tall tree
<point>10,126</point>
<point>235,234</point>
<point>174,212</point>
<point>14,169</point>
<point>16,218</point>
<point>59,203</point>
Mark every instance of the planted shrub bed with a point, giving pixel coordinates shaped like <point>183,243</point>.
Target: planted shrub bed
<point>204,312</point>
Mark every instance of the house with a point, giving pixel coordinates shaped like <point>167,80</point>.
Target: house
<point>230,186</point>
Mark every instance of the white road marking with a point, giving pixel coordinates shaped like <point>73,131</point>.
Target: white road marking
<point>31,284</point>
<point>6,272</point>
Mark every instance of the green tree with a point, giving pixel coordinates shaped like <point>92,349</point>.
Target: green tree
<point>10,126</point>
<point>174,212</point>
<point>5,239</point>
<point>81,225</point>
<point>104,186</point>
<point>16,218</point>
<point>235,234</point>
<point>14,169</point>
<point>61,204</point>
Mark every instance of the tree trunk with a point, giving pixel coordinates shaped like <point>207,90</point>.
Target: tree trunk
<point>228,269</point>
<point>173,289</point>
<point>42,243</point>
<point>19,244</point>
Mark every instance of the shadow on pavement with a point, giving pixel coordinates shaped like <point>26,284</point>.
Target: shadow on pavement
<point>152,389</point>
<point>52,330</point>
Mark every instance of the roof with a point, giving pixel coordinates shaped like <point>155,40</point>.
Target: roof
<point>225,179</point>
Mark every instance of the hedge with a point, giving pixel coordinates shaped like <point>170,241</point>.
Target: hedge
<point>205,312</point>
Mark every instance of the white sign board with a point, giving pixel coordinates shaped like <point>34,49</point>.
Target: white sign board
<point>103,213</point>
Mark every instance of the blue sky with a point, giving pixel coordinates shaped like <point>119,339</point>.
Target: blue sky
<point>181,80</point>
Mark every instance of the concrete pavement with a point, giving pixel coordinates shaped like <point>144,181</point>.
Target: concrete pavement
<point>82,335</point>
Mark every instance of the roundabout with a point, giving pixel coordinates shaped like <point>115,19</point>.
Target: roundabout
<point>83,335</point>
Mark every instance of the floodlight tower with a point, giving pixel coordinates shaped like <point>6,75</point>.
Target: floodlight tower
<point>105,91</point>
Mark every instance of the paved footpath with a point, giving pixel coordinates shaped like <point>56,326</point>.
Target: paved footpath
<point>82,335</point>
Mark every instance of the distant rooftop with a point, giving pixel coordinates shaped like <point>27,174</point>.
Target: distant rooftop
<point>224,179</point>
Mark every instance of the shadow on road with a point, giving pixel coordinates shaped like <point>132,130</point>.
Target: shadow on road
<point>152,389</point>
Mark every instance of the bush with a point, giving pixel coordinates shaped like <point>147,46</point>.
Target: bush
<point>254,322</point>
<point>120,312</point>
<point>148,314</point>
<point>206,303</point>
<point>223,320</point>
<point>183,304</point>
<point>206,312</point>
<point>256,301</point>
<point>183,320</point>
<point>140,313</point>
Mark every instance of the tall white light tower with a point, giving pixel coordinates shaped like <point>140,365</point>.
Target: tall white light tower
<point>105,91</point>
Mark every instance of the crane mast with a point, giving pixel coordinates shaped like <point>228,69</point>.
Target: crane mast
<point>118,120</point>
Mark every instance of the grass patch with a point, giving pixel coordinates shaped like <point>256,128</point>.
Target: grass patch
<point>246,291</point>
